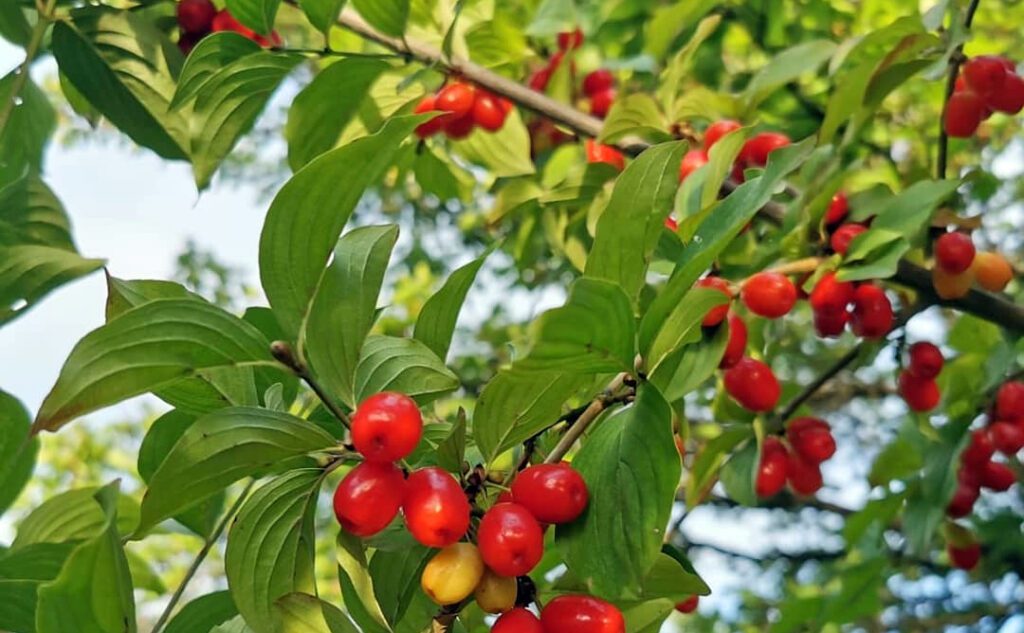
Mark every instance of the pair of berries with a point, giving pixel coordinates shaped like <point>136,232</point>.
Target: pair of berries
<point>767,294</point>
<point>865,307</point>
<point>199,18</point>
<point>567,41</point>
<point>697,158</point>
<point>958,265</point>
<point>917,383</point>
<point>754,152</point>
<point>564,614</point>
<point>810,443</point>
<point>988,84</point>
<point>466,107</point>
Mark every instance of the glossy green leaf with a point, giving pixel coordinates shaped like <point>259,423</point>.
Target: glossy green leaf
<point>683,325</point>
<point>125,67</point>
<point>390,363</point>
<point>628,230</point>
<point>321,111</point>
<point>323,14</point>
<point>303,613</point>
<point>308,214</point>
<point>517,404</point>
<point>30,213</point>
<point>270,547</point>
<point>593,332</point>
<point>344,307</point>
<point>17,449</point>
<point>435,324</point>
<point>387,16</point>
<point>357,587</point>
<point>635,115</point>
<point>258,15</point>
<point>211,55</point>
<point>631,463</point>
<point>125,294</point>
<point>668,578</point>
<point>201,614</point>
<point>146,348</point>
<point>29,272</point>
<point>786,67</point>
<point>739,473</point>
<point>396,579</point>
<point>709,460</point>
<point>24,139</point>
<point>505,153</point>
<point>73,516</point>
<point>688,367</point>
<point>93,593</point>
<point>221,448</point>
<point>14,26</point>
<point>21,573</point>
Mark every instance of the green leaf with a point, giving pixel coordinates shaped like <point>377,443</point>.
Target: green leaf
<point>303,613</point>
<point>630,226</point>
<point>739,473</point>
<point>648,617</point>
<point>228,103</point>
<point>308,214</point>
<point>125,294</point>
<point>390,363</point>
<point>323,14</point>
<point>686,369</point>
<point>357,585</point>
<point>145,348</point>
<point>505,153</point>
<point>683,325</point>
<point>210,56</point>
<point>221,448</point>
<point>30,213</point>
<point>17,449</point>
<point>29,272</point>
<point>73,516</point>
<point>668,578</point>
<point>396,579</point>
<point>635,115</point>
<point>710,458</point>
<point>786,67</point>
<point>270,547</point>
<point>234,625</point>
<point>93,593</point>
<point>14,26</point>
<point>122,64</point>
<point>436,323</point>
<point>21,573</point>
<point>345,307</point>
<point>665,24</point>
<point>387,16</point>
<point>203,613</point>
<point>451,451</point>
<point>24,139</point>
<point>258,15</point>
<point>716,232</point>
<point>516,405</point>
<point>631,464</point>
<point>552,17</point>
<point>325,107</point>
<point>593,332</point>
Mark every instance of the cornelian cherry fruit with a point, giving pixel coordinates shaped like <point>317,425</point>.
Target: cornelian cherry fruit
<point>950,285</point>
<point>979,451</point>
<point>601,102</point>
<point>386,427</point>
<point>196,16</point>
<point>717,130</point>
<point>692,161</point>
<point>965,557</point>
<point>872,314</point>
<point>598,81</point>
<point>829,324</point>
<point>369,497</point>
<point>920,394</point>
<point>964,114</point>
<point>771,471</point>
<point>224,21</point>
<point>488,112</point>
<point>838,209</point>
<point>1007,437</point>
<point>518,620</point>
<point>1010,98</point>
<point>831,295</point>
<point>553,493</point>
<point>717,314</point>
<point>457,98</point>
<point>598,153</point>
<point>925,360</point>
<point>811,439</point>
<point>804,476</point>
<point>963,501</point>
<point>841,238</point>
<point>433,126</point>
<point>458,127</point>
<point>954,252</point>
<point>992,271</point>
<point>753,385</point>
<point>510,539</point>
<point>985,74</point>
<point>996,476</point>
<point>569,40</point>
<point>435,508</point>
<point>769,294</point>
<point>736,346</point>
<point>689,605</point>
<point>756,150</point>
<point>1010,400</point>
<point>581,614</point>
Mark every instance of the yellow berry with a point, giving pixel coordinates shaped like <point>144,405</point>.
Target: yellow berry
<point>453,573</point>
<point>496,594</point>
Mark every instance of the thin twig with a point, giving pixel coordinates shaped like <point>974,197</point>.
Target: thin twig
<point>282,351</point>
<point>955,60</point>
<point>201,556</point>
<point>594,409</point>
<point>21,76</point>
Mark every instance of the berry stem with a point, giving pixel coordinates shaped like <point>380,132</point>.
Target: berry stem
<point>31,49</point>
<point>282,351</point>
<point>955,60</point>
<point>594,409</point>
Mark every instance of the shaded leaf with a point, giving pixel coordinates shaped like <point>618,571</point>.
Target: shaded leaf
<point>390,363</point>
<point>435,324</point>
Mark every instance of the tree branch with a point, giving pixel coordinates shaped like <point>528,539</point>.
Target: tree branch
<point>282,351</point>
<point>594,409</point>
<point>955,60</point>
<point>983,304</point>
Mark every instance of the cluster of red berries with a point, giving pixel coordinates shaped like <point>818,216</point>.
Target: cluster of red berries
<point>842,233</point>
<point>917,384</point>
<point>988,84</point>
<point>598,86</point>
<point>754,152</point>
<point>689,605</point>
<point>958,265</point>
<point>466,107</point>
<point>199,18</point>
<point>864,306</point>
<point>564,614</point>
<point>797,460</point>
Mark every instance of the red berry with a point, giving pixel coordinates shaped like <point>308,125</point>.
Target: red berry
<point>830,323</point>
<point>736,346</point>
<point>196,16</point>
<point>954,252</point>
<point>804,476</point>
<point>964,113</point>
<point>837,209</point>
<point>872,314</point>
<point>769,294</point>
<point>984,75</point>
<point>433,126</point>
<point>830,295</point>
<point>692,161</point>
<point>969,476</point>
<point>597,153</point>
<point>570,39</point>
<point>811,438</point>
<point>996,476</point>
<point>601,102</point>
<point>488,112</point>
<point>386,427</point>
<point>717,130</point>
<point>581,614</point>
<point>1010,98</point>
<point>755,151</point>
<point>458,127</point>
<point>457,98</point>
<point>369,497</point>
<point>841,238</point>
<point>965,557</point>
<point>979,451</point>
<point>510,539</point>
<point>1010,400</point>
<point>553,493</point>
<point>1007,437</point>
<point>539,79</point>
<point>671,224</point>
<point>518,620</point>
<point>598,81</point>
<point>925,360</point>
<point>689,605</point>
<point>717,314</point>
<point>435,508</point>
<point>962,502</point>
<point>224,21</point>
<point>920,394</point>
<point>753,385</point>
<point>772,470</point>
